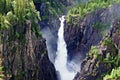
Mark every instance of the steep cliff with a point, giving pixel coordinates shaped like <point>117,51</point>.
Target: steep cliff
<point>95,37</point>
<point>23,50</point>
<point>103,58</point>
<point>90,30</point>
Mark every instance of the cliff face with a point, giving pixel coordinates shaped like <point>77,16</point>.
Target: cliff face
<point>90,30</point>
<point>95,29</point>
<point>26,58</point>
<point>23,53</point>
<point>46,70</point>
<point>95,65</point>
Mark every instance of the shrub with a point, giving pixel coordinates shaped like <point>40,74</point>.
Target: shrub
<point>114,75</point>
<point>80,10</point>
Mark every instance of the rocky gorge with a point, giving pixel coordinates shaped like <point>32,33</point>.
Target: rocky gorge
<point>93,40</point>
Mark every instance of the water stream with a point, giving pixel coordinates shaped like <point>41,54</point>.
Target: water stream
<point>61,59</point>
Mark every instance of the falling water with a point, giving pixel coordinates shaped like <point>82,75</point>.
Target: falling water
<point>61,59</point>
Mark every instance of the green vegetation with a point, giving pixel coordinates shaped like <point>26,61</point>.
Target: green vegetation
<point>109,43</point>
<point>79,11</point>
<point>101,27</point>
<point>93,52</point>
<point>110,56</point>
<point>1,70</point>
<point>17,15</point>
<point>17,12</point>
<point>114,75</point>
<point>113,57</point>
<point>18,20</point>
<point>51,7</point>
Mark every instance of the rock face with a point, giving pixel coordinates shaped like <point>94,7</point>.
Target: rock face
<point>26,58</point>
<point>93,67</point>
<point>46,70</point>
<point>90,30</point>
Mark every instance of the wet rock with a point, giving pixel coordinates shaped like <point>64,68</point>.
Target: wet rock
<point>46,69</point>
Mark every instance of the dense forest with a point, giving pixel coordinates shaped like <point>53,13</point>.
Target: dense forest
<point>59,39</point>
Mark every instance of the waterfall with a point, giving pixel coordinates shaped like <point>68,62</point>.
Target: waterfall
<point>61,59</point>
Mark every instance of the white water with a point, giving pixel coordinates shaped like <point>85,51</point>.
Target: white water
<point>61,59</point>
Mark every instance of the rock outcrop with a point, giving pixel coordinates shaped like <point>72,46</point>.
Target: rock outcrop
<point>46,70</point>
<point>107,57</point>
<point>90,30</point>
<point>26,57</point>
<point>96,29</point>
